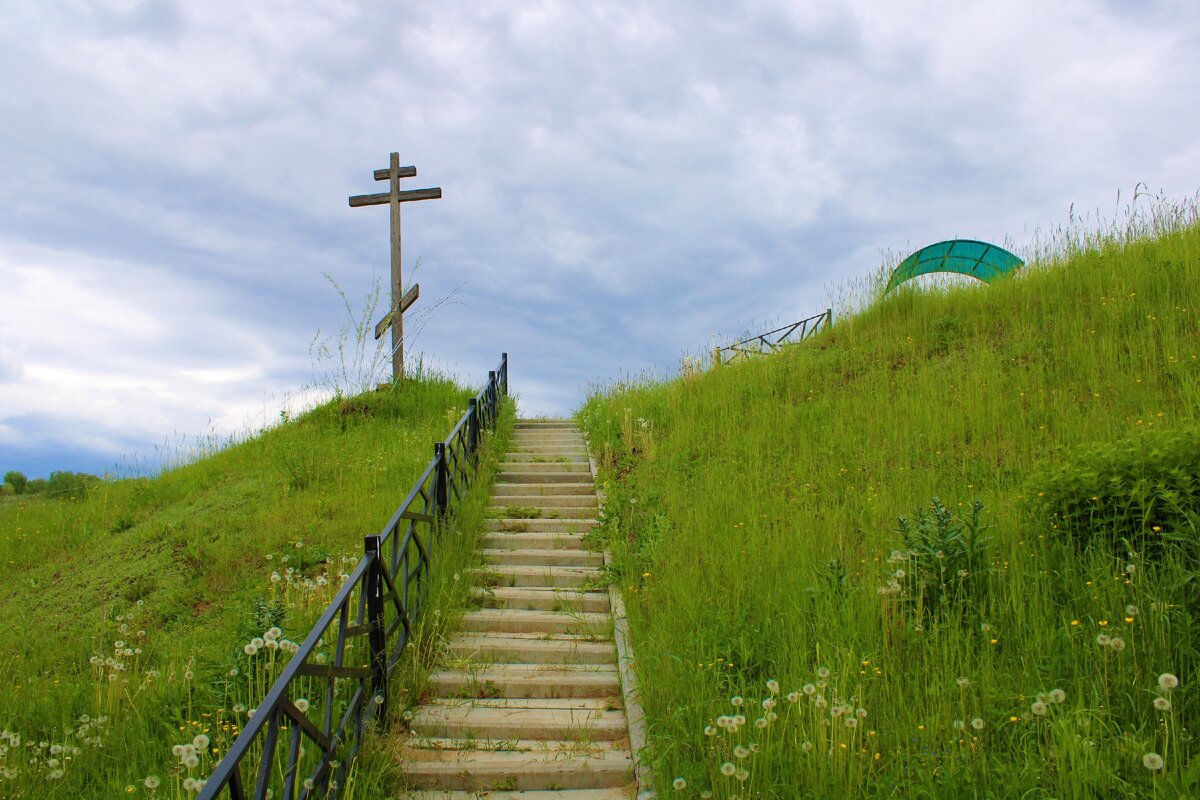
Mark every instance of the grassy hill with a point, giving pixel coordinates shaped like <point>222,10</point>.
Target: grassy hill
<point>1008,650</point>
<point>126,612</point>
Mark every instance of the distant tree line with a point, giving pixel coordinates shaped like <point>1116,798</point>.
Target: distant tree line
<point>59,484</point>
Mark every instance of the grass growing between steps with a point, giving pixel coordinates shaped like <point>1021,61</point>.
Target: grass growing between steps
<point>794,640</point>
<point>130,614</point>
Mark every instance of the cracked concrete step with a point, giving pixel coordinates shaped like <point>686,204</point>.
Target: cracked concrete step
<point>616,793</point>
<point>557,557</point>
<point>474,770</point>
<point>527,680</point>
<point>533,540</point>
<point>517,475</point>
<point>546,512</point>
<point>588,719</point>
<point>545,501</point>
<point>554,525</point>
<point>542,599</point>
<point>521,620</point>
<point>505,490</point>
<point>574,467</point>
<point>574,457</point>
<point>540,441</point>
<point>544,577</point>
<point>530,648</point>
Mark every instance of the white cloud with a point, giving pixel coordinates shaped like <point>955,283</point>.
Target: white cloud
<point>618,182</point>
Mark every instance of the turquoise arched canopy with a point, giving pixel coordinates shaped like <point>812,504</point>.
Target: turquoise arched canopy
<point>965,256</point>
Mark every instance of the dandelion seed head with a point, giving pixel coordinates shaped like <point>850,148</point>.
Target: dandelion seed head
<point>728,768</point>
<point>1117,644</point>
<point>1152,762</point>
<point>1057,696</point>
<point>1162,704</point>
<point>151,782</point>
<point>679,784</point>
<point>1038,708</point>
<point>977,724</point>
<point>301,705</point>
<point>1167,682</point>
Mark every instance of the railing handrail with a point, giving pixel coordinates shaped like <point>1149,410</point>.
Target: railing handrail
<point>825,316</point>
<point>381,586</point>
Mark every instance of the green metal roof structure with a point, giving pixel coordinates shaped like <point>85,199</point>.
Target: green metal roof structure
<point>964,256</point>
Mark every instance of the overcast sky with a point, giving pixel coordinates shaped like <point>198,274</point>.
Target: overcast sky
<point>621,181</point>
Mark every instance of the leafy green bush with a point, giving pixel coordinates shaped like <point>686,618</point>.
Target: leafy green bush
<point>944,564</point>
<point>1142,491</point>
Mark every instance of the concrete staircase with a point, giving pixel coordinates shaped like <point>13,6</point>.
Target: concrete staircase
<point>530,703</point>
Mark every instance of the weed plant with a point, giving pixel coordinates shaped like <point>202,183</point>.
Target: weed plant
<point>796,639</point>
<point>146,619</point>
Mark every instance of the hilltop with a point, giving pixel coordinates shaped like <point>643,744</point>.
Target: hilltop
<point>1007,637</point>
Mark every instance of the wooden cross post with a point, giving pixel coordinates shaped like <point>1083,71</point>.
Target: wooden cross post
<point>400,303</point>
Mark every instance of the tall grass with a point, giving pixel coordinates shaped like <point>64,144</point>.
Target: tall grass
<point>794,639</point>
<point>144,622</point>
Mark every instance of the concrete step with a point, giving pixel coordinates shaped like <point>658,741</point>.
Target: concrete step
<point>538,525</point>
<point>574,457</point>
<point>547,512</point>
<point>533,540</point>
<point>501,491</point>
<point>530,648</point>
<point>548,451</point>
<point>539,424</point>
<point>589,719</point>
<point>583,767</point>
<point>527,680</point>
<point>545,577</point>
<point>508,475</point>
<point>542,599</point>
<point>615,793</point>
<point>559,557</point>
<point>519,441</point>
<point>546,501</point>
<point>555,467</point>
<point>521,620</point>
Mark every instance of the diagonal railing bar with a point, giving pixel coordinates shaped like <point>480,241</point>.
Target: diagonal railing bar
<point>369,622</point>
<point>763,343</point>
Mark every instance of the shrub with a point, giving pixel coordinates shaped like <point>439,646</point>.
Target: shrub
<point>1138,492</point>
<point>944,563</point>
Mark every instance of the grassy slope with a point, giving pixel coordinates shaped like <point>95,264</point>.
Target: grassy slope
<point>732,491</point>
<point>187,558</point>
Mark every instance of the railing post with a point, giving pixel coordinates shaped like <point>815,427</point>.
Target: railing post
<point>473,427</point>
<point>441,492</point>
<point>504,373</point>
<point>493,397</point>
<point>377,638</point>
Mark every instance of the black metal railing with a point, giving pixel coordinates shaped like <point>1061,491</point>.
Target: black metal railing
<point>763,343</point>
<point>335,686</point>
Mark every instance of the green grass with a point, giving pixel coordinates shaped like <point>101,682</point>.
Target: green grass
<point>753,512</point>
<point>126,612</point>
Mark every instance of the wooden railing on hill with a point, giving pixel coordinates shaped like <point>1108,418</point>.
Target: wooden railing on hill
<point>336,685</point>
<point>788,334</point>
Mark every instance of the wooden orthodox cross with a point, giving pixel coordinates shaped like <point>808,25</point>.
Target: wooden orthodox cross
<point>399,303</point>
